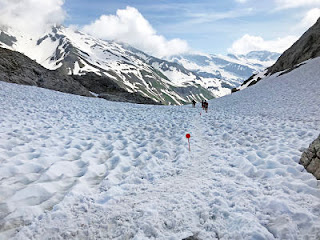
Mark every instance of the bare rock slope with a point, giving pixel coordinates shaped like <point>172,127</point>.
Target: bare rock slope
<point>17,68</point>
<point>106,88</point>
<point>307,47</point>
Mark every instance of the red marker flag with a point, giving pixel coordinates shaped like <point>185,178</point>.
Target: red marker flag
<point>188,136</point>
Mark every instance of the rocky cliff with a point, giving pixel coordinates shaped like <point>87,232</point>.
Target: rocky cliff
<point>310,159</point>
<point>17,68</point>
<point>307,47</point>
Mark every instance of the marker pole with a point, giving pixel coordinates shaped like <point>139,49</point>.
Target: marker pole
<point>188,137</point>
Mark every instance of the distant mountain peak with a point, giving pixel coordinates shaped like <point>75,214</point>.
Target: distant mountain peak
<point>230,70</point>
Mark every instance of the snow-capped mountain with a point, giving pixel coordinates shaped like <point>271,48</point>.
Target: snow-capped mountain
<point>265,57</point>
<point>77,53</point>
<point>177,80</point>
<point>230,70</point>
<point>179,75</point>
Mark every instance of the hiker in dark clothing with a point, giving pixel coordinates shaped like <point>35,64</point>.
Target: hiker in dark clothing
<point>206,105</point>
<point>202,104</point>
<point>193,103</point>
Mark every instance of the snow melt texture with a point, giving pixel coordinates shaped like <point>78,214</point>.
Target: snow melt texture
<point>80,168</point>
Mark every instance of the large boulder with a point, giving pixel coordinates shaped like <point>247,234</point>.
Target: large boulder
<point>310,159</point>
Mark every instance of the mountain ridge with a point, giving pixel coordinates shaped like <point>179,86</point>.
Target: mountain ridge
<point>76,53</point>
<point>166,81</point>
<point>232,69</point>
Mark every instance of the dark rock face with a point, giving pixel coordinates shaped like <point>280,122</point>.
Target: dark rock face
<point>108,89</point>
<point>310,159</point>
<point>127,97</point>
<point>307,47</point>
<point>6,39</point>
<point>191,238</point>
<point>17,68</point>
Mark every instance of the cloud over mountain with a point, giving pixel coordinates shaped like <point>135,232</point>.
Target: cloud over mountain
<point>248,43</point>
<point>33,16</point>
<point>129,26</point>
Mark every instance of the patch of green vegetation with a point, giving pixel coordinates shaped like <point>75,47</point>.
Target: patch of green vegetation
<point>81,65</point>
<point>156,84</point>
<point>154,97</point>
<point>168,99</point>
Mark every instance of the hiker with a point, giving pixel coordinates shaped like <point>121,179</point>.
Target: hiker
<point>206,105</point>
<point>202,104</point>
<point>193,103</point>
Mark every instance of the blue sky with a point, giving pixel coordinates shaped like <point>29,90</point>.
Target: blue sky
<point>166,27</point>
<point>207,25</point>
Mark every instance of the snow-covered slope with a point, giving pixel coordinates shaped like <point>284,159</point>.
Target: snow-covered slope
<point>181,76</point>
<point>77,53</point>
<point>231,70</point>
<point>83,168</point>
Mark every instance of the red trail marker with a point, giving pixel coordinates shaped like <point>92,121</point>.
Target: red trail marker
<point>188,136</point>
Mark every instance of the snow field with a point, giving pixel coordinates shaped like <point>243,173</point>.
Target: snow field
<point>84,168</point>
<point>52,147</point>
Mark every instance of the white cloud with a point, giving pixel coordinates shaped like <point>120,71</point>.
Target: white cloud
<point>129,26</point>
<point>241,1</point>
<point>33,16</point>
<point>249,43</point>
<point>284,4</point>
<point>310,19</point>
<point>200,18</point>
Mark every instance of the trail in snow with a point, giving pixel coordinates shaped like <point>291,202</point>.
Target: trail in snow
<point>74,167</point>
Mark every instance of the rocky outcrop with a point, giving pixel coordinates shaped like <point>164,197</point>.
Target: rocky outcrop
<point>307,47</point>
<point>17,68</point>
<point>310,159</point>
<point>106,88</point>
